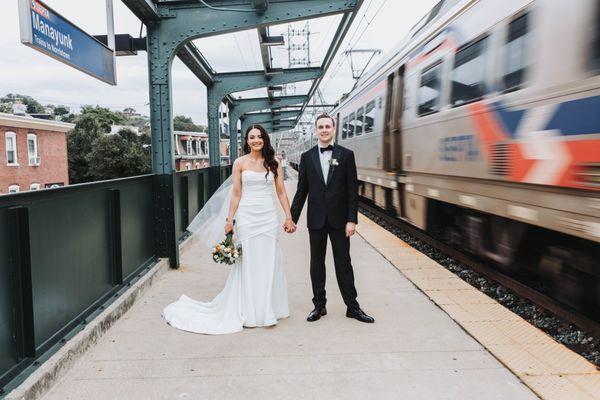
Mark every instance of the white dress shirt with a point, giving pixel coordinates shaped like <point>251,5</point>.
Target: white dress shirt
<point>325,157</point>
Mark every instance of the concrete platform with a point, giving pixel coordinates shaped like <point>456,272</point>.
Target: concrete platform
<point>413,351</point>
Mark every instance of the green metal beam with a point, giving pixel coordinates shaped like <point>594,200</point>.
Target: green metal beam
<point>145,10</point>
<point>195,61</point>
<point>270,115</point>
<point>231,82</point>
<point>242,106</point>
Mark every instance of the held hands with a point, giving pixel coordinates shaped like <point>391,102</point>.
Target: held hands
<point>289,226</point>
<point>350,229</point>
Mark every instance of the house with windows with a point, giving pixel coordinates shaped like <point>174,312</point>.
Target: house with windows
<point>33,153</point>
<point>191,150</point>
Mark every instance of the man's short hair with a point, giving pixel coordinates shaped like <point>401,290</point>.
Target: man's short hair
<point>325,115</point>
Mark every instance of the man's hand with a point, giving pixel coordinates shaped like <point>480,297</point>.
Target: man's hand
<point>289,226</point>
<point>350,229</point>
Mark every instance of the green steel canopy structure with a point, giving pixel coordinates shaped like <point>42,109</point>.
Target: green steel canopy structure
<point>172,25</point>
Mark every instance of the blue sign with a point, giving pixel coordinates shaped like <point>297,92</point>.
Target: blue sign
<point>47,31</point>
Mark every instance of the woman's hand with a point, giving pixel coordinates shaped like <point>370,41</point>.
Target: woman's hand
<point>228,227</point>
<point>289,226</point>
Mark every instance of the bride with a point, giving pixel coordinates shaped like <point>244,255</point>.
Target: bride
<point>255,293</point>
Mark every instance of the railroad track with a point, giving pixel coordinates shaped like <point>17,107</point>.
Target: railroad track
<point>544,301</point>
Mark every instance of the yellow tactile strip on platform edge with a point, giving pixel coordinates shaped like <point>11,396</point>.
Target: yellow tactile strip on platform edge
<point>549,368</point>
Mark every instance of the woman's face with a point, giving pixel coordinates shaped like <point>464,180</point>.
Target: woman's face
<point>255,140</point>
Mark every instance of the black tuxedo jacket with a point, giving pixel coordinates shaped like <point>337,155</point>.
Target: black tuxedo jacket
<point>334,200</point>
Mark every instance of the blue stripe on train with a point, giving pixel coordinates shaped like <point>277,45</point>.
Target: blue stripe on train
<point>510,119</point>
<point>577,117</point>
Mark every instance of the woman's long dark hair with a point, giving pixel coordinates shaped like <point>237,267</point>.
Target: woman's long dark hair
<point>270,163</point>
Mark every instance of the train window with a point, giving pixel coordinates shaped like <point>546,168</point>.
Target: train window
<point>344,127</point>
<point>359,121</point>
<point>515,54</point>
<point>468,78</point>
<point>369,116</point>
<point>429,90</point>
<point>351,125</point>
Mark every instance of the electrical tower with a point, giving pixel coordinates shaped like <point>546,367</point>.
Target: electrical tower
<point>298,48</point>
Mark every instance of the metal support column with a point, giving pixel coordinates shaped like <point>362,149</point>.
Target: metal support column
<point>161,120</point>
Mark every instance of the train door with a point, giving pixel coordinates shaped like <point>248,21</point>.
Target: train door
<point>392,143</point>
<point>392,139</point>
<point>386,142</point>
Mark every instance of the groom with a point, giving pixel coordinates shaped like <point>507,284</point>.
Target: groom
<point>327,175</point>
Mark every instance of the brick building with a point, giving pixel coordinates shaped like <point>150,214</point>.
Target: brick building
<point>191,150</point>
<point>33,153</point>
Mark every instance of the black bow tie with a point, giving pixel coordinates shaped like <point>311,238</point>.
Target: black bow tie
<point>324,149</point>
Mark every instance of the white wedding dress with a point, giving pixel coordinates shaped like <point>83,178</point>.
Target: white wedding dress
<point>255,293</point>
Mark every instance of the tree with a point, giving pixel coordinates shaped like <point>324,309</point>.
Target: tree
<point>59,111</point>
<point>183,123</point>
<point>116,156</point>
<point>104,116</point>
<point>33,106</point>
<point>80,141</point>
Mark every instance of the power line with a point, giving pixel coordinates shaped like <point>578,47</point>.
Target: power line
<point>237,44</point>
<point>351,46</point>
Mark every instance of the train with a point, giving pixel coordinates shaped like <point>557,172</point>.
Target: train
<point>483,126</point>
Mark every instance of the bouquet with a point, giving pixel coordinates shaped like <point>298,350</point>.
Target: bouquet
<point>227,252</point>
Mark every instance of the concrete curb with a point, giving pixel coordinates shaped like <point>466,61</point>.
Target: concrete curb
<point>43,378</point>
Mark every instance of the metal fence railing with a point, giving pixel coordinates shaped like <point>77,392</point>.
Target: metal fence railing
<point>66,251</point>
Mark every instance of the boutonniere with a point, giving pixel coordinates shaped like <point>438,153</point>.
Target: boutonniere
<point>333,162</point>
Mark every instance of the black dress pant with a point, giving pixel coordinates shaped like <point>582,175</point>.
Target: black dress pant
<point>343,266</point>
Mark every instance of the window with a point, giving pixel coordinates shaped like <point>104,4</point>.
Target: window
<point>515,54</point>
<point>203,147</point>
<point>188,145</point>
<point>351,125</point>
<point>344,127</point>
<point>35,186</point>
<point>359,121</point>
<point>13,189</point>
<point>32,149</point>
<point>188,166</point>
<point>468,78</point>
<point>11,148</point>
<point>429,90</point>
<point>369,116</point>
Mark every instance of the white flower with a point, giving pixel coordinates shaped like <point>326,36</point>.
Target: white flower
<point>216,257</point>
<point>334,162</point>
<point>236,255</point>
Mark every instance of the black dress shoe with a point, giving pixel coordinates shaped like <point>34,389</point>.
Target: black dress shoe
<point>316,314</point>
<point>359,315</point>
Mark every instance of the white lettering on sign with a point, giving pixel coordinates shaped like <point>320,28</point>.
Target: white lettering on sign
<point>56,36</point>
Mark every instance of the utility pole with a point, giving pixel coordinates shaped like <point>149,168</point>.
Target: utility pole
<point>357,70</point>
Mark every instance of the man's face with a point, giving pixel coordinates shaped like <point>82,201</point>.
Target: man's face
<point>325,129</point>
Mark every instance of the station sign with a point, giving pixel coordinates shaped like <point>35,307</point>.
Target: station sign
<point>45,30</point>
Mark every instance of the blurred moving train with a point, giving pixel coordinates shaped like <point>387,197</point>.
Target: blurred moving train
<point>483,125</point>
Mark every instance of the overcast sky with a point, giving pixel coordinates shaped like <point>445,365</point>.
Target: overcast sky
<point>379,24</point>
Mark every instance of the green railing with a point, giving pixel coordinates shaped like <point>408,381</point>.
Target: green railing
<point>65,252</point>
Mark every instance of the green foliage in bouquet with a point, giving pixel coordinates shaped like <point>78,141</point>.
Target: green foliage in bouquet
<point>227,252</point>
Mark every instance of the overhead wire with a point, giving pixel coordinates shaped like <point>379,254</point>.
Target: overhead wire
<point>351,46</point>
